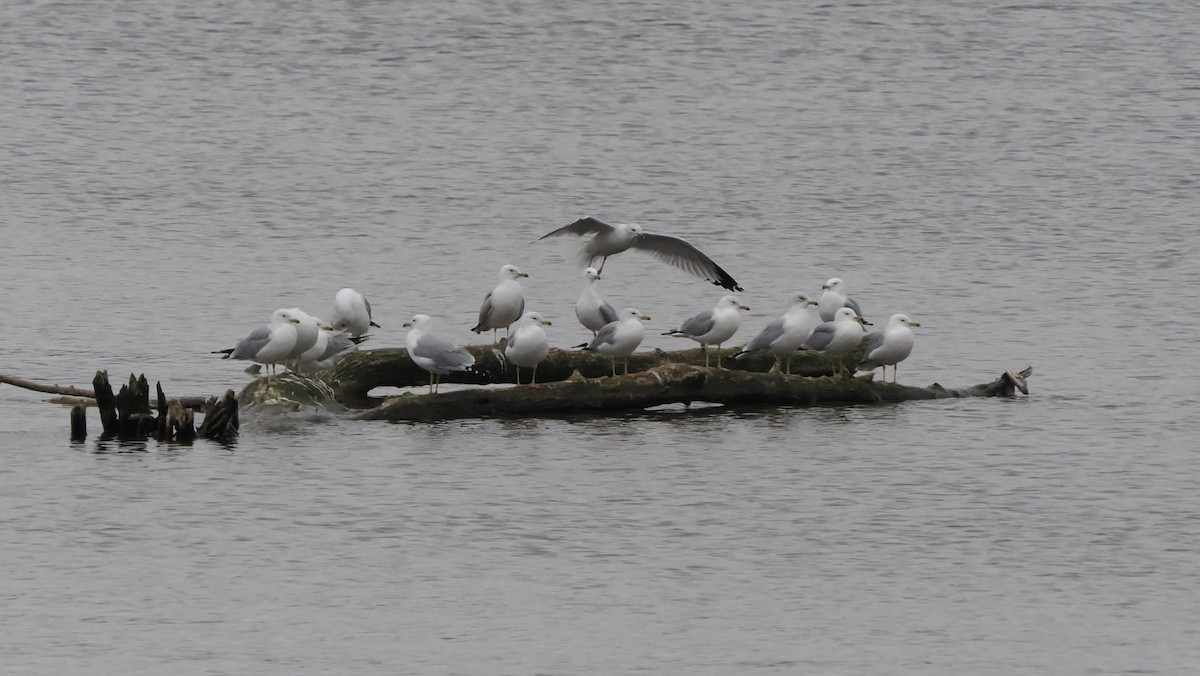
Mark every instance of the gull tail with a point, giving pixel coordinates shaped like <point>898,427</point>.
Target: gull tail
<point>227,353</point>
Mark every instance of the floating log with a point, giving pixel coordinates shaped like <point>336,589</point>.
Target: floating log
<point>358,373</point>
<point>670,383</point>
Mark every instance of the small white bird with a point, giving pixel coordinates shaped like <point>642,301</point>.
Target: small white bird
<point>835,298</point>
<point>620,338</point>
<point>786,334</point>
<point>504,304</point>
<point>527,343</point>
<point>436,355</point>
<point>590,309</point>
<point>608,240</point>
<point>889,346</point>
<point>307,331</point>
<point>837,338</point>
<point>712,327</point>
<point>352,313</point>
<point>269,345</point>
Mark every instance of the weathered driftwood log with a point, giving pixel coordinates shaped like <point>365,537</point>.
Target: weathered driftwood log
<point>360,372</point>
<point>75,396</point>
<point>670,383</point>
<point>220,418</point>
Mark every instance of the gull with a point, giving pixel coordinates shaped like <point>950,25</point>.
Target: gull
<point>620,338</point>
<point>891,346</point>
<point>436,355</point>
<point>837,338</point>
<point>712,327</point>
<point>352,313</point>
<point>527,343</point>
<point>786,334</point>
<point>331,346</point>
<point>504,304</point>
<point>835,297</point>
<point>608,240</point>
<point>268,345</point>
<point>307,330</point>
<point>590,309</point>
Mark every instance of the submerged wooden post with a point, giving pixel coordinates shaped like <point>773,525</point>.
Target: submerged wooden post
<point>106,404</point>
<point>78,423</point>
<point>220,418</point>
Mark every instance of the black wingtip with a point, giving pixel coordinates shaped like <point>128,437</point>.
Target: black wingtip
<point>375,325</point>
<point>227,353</point>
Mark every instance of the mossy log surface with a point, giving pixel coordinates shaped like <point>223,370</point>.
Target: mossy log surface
<point>353,378</point>
<point>670,383</point>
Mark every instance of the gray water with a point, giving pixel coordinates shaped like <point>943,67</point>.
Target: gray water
<point>1021,179</point>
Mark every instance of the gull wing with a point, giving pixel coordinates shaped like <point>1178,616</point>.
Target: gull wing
<point>584,226</point>
<point>444,354</point>
<point>697,325</point>
<point>681,254</point>
<point>606,334</point>
<point>768,335</point>
<point>485,311</point>
<point>249,346</point>
<point>820,338</point>
<point>607,312</point>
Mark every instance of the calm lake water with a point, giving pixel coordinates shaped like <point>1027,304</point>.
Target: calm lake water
<point>1021,179</point>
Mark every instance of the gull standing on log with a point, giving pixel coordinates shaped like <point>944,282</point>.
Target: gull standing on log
<point>891,346</point>
<point>504,304</point>
<point>712,327</point>
<point>527,344</point>
<point>837,338</point>
<point>331,346</point>
<point>352,313</point>
<point>436,355</point>
<point>608,240</point>
<point>590,309</point>
<point>620,338</point>
<point>786,334</point>
<point>269,345</point>
<point>834,298</point>
<point>307,330</point>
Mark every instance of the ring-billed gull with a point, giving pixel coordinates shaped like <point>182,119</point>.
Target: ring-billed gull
<point>269,345</point>
<point>332,345</point>
<point>504,304</point>
<point>889,346</point>
<point>590,309</point>
<point>835,298</point>
<point>307,330</point>
<point>352,313</point>
<point>712,327</point>
<point>436,355</point>
<point>608,240</point>
<point>786,334</point>
<point>620,338</point>
<point>527,344</point>
<point>837,338</point>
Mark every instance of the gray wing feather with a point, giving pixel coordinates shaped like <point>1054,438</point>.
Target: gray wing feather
<point>443,353</point>
<point>485,311</point>
<point>338,343</point>
<point>697,325</point>
<point>368,304</point>
<point>767,336</point>
<point>608,313</point>
<point>604,335</point>
<point>853,305</point>
<point>583,226</point>
<point>820,338</point>
<point>249,346</point>
<point>681,254</point>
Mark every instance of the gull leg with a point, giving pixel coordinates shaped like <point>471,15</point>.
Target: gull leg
<point>626,365</point>
<point>705,348</point>
<point>518,374</point>
<point>602,262</point>
<point>718,355</point>
<point>789,365</point>
<point>614,366</point>
<point>533,381</point>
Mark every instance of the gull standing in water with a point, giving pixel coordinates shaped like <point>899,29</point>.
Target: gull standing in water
<point>712,327</point>
<point>436,355</point>
<point>620,338</point>
<point>837,338</point>
<point>891,346</point>
<point>527,343</point>
<point>834,298</point>
<point>608,240</point>
<point>352,313</point>
<point>590,309</point>
<point>786,334</point>
<point>269,345</point>
<point>504,304</point>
